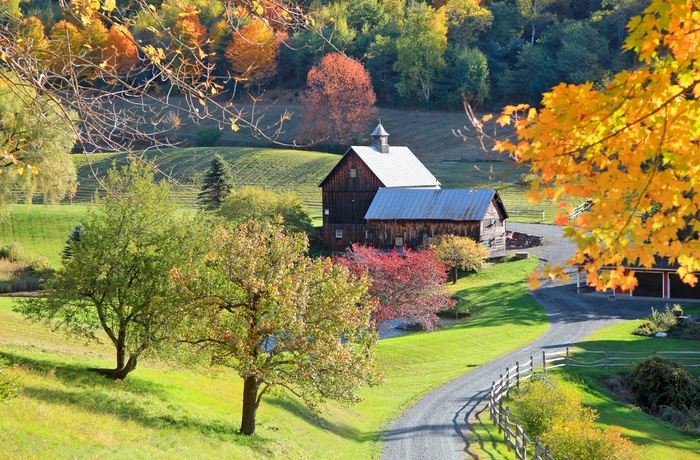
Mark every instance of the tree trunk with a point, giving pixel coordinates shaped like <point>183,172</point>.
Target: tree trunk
<point>119,373</point>
<point>454,275</point>
<point>250,405</point>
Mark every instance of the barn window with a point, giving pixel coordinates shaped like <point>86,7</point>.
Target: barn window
<point>499,223</point>
<point>398,241</point>
<point>353,172</point>
<point>338,232</point>
<point>498,242</point>
<point>326,211</point>
<point>425,237</point>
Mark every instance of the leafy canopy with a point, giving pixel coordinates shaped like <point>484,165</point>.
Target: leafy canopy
<point>458,252</point>
<point>633,148</point>
<point>257,304</point>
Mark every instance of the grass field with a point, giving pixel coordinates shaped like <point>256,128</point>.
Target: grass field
<point>158,412</point>
<point>655,439</point>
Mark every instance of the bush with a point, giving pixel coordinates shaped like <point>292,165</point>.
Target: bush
<point>661,382</point>
<point>544,402</point>
<point>664,321</point>
<point>581,440</point>
<point>208,136</point>
<point>40,267</point>
<point>14,252</point>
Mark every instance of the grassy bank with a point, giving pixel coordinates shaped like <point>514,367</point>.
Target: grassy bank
<point>655,439</point>
<point>63,411</point>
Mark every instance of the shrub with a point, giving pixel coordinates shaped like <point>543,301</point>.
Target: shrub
<point>658,322</point>
<point>661,382</point>
<point>207,136</point>
<point>14,252</point>
<point>543,403</point>
<point>581,440</point>
<point>19,285</point>
<point>40,267</point>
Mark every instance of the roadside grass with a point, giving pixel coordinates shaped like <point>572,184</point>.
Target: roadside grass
<point>64,411</point>
<point>42,230</point>
<point>654,438</point>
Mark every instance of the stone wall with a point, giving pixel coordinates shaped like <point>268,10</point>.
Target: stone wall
<point>517,240</point>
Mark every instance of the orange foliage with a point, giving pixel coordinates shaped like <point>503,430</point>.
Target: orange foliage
<point>121,52</point>
<point>339,101</point>
<point>632,148</point>
<point>253,52</point>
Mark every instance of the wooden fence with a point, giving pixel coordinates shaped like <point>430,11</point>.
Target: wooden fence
<point>514,436</point>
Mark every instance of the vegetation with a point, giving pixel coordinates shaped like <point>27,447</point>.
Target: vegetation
<point>339,101</point>
<point>265,206</point>
<point>406,286</point>
<point>257,304</point>
<point>171,413</point>
<point>553,411</point>
<point>664,321</point>
<point>633,164</point>
<point>116,278</point>
<point>458,252</point>
<point>217,184</point>
<point>660,382</point>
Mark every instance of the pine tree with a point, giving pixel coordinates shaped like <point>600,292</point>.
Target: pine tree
<point>217,185</point>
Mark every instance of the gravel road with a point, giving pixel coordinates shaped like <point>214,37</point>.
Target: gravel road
<point>436,426</point>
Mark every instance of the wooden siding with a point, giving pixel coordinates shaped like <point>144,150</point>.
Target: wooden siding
<point>493,228</point>
<point>347,200</point>
<point>382,233</point>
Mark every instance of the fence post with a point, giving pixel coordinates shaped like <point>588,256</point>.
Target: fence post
<point>567,359</point>
<point>517,374</point>
<point>606,359</point>
<point>542,216</point>
<point>507,381</point>
<point>492,406</point>
<point>537,446</point>
<point>544,362</point>
<point>500,416</point>
<point>506,427</point>
<point>532,364</point>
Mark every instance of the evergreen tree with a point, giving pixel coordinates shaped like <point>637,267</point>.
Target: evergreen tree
<point>73,238</point>
<point>217,185</point>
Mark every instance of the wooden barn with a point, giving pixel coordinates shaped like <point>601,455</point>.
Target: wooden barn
<point>384,196</point>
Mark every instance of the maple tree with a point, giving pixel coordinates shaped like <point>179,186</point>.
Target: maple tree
<point>632,148</point>
<point>407,286</point>
<point>339,101</point>
<point>253,52</point>
<point>458,252</point>
<point>121,51</point>
<point>279,318</point>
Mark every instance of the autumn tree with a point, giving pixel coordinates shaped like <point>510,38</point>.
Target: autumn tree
<point>35,144</point>
<point>407,287</point>
<point>467,20</point>
<point>217,184</point>
<point>631,148</point>
<point>339,100</point>
<point>121,51</point>
<point>253,53</point>
<point>115,274</point>
<point>421,50</point>
<point>458,253</point>
<point>279,318</point>
<point>265,206</point>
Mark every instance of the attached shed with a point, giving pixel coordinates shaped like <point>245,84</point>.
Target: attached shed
<point>408,217</point>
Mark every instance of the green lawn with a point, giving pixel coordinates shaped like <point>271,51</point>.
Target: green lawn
<point>656,439</point>
<point>63,411</point>
<point>42,230</point>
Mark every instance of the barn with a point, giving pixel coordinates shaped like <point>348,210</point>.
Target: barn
<point>384,196</point>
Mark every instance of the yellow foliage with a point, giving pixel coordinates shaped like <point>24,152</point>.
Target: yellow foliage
<point>633,148</point>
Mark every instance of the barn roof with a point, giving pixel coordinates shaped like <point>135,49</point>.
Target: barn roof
<point>397,168</point>
<point>427,204</point>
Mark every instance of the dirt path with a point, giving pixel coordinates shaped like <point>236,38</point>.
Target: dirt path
<point>436,426</point>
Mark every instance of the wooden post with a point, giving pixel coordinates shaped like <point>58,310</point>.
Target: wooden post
<point>567,359</point>
<point>606,359</point>
<point>506,427</point>
<point>517,374</point>
<point>544,362</point>
<point>532,364</point>
<point>500,416</point>
<point>507,381</point>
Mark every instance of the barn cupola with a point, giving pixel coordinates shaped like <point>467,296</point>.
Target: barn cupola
<point>380,138</point>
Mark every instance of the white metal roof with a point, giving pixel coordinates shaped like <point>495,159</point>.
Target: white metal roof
<point>426,204</point>
<point>397,168</point>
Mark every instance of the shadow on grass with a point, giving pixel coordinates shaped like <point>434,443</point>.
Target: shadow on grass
<point>299,410</point>
<point>142,401</point>
<point>503,303</point>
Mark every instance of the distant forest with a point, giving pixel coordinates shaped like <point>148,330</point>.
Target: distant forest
<point>418,53</point>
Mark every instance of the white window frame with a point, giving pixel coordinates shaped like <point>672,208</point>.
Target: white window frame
<point>353,172</point>
<point>398,239</point>
<point>339,233</point>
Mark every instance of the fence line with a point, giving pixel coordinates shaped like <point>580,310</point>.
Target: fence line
<point>514,435</point>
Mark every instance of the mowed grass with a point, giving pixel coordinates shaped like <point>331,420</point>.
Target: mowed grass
<point>42,230</point>
<point>158,412</point>
<point>654,438</point>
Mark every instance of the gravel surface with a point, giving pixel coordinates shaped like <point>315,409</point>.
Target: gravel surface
<point>436,427</point>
